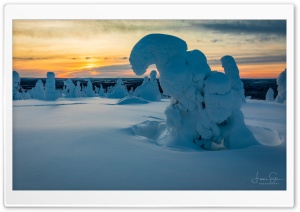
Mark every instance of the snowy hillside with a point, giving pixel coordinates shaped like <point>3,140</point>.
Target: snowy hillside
<point>94,144</point>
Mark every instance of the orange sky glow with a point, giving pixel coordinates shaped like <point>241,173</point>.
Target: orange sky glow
<point>95,48</point>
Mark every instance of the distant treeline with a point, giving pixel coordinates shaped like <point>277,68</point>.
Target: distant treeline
<point>256,88</point>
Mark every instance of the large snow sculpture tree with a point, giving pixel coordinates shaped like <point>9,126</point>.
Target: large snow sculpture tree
<point>16,86</point>
<point>281,83</point>
<point>149,89</point>
<point>50,90</point>
<point>232,71</point>
<point>270,95</point>
<point>204,108</point>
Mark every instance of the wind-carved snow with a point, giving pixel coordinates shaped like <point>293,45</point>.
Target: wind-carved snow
<point>281,83</point>
<point>270,95</point>
<point>204,104</point>
<point>149,89</point>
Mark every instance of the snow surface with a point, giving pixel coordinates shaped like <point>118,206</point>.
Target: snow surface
<point>98,144</point>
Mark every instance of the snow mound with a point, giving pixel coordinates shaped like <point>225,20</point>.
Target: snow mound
<point>266,136</point>
<point>128,100</point>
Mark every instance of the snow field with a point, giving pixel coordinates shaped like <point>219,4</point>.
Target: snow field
<point>90,144</point>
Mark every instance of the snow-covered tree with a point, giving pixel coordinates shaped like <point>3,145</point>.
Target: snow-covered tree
<point>38,92</point>
<point>16,86</point>
<point>204,107</point>
<point>149,89</point>
<point>281,88</point>
<point>131,91</point>
<point>97,90</point>
<point>78,90</point>
<point>89,89</point>
<point>50,89</point>
<point>69,89</point>
<point>101,91</point>
<point>270,95</point>
<point>232,71</point>
<point>119,91</point>
<point>25,95</point>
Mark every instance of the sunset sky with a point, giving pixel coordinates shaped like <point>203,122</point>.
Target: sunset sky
<point>101,48</point>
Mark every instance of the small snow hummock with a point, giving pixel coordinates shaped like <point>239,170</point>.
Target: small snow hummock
<point>232,71</point>
<point>270,95</point>
<point>204,104</point>
<point>50,92</point>
<point>281,83</point>
<point>119,91</point>
<point>149,89</point>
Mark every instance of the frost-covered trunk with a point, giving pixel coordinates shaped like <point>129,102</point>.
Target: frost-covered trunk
<point>202,102</point>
